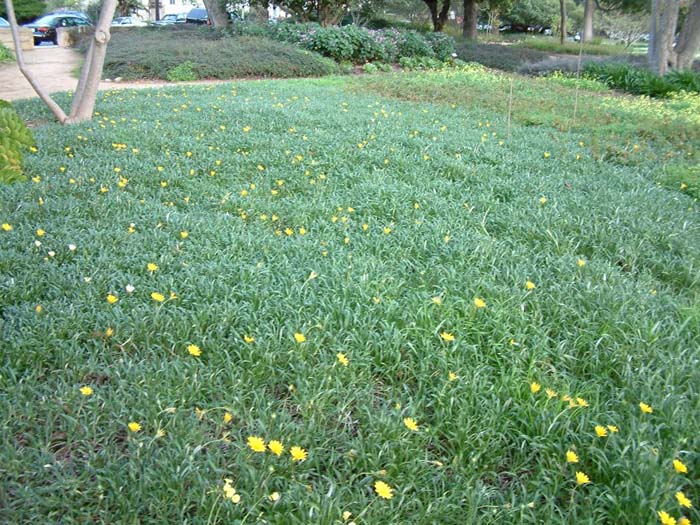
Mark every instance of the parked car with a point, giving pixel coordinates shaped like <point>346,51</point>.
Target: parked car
<point>128,21</point>
<point>44,28</point>
<point>171,19</point>
<point>197,16</point>
<point>4,23</point>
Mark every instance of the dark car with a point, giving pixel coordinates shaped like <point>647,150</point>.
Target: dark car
<point>197,16</point>
<point>171,19</point>
<point>45,27</point>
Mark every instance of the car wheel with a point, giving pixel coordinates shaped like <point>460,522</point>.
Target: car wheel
<point>55,40</point>
<point>37,42</point>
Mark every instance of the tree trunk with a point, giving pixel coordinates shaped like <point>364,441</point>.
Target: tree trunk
<point>689,39</point>
<point>588,12</point>
<point>471,11</point>
<point>495,22</point>
<point>664,17</point>
<point>86,92</point>
<point>438,16</point>
<point>218,17</point>
<point>562,22</point>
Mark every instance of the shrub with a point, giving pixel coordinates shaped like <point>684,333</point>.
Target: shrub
<point>442,45</point>
<point>14,137</point>
<point>370,68</point>
<point>5,54</point>
<point>182,73</point>
<point>640,81</point>
<point>413,44</point>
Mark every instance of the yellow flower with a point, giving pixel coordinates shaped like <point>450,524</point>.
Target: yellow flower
<point>275,496</point>
<point>346,515</point>
<point>109,332</point>
<point>535,387</point>
<point>6,227</point>
<point>665,518</point>
<point>452,376</point>
<point>249,339</point>
<point>411,424</point>
<point>184,234</point>
<point>152,267</point>
<point>679,466</point>
<point>437,300</point>
<point>228,417</point>
<point>551,393</point>
<point>298,453</point>
<point>543,200</point>
<point>529,285</point>
<point>38,308</point>
<point>111,299</point>
<point>600,431</point>
<point>256,444</point>
<point>383,490</point>
<point>683,501</point>
<point>547,154</point>
<point>581,263</point>
<point>342,359</point>
<point>40,232</point>
<point>194,350</point>
<point>299,338</point>
<point>683,521</point>
<point>571,456</point>
<point>447,337</point>
<point>387,230</point>
<point>134,426</point>
<point>86,390</point>
<point>276,447</point>
<point>158,297</point>
<point>613,429</point>
<point>581,402</point>
<point>582,479</point>
<point>645,408</point>
<point>479,303</point>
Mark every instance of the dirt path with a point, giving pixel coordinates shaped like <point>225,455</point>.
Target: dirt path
<point>56,68</point>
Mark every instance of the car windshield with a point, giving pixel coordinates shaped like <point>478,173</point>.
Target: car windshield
<point>4,23</point>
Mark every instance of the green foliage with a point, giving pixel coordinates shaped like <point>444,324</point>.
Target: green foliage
<point>454,211</point>
<point>14,137</point>
<point>5,54</point>
<point>640,81</point>
<point>25,10</point>
<point>370,68</point>
<point>182,72</point>
<point>184,52</point>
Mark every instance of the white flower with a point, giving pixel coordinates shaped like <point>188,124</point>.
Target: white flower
<point>52,253</point>
<point>72,247</point>
<point>129,288</point>
<point>37,243</point>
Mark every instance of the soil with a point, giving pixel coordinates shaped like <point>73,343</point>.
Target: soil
<point>56,69</point>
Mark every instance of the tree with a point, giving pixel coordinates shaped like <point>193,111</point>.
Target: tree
<point>327,12</point>
<point>438,13</point>
<point>218,16</point>
<point>664,18</point>
<point>85,94</point>
<point>689,38</point>
<point>588,12</point>
<point>562,21</point>
<point>471,13</point>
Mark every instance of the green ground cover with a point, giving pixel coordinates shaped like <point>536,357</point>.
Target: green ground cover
<point>395,286</point>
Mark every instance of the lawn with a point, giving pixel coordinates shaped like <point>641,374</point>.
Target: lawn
<point>311,301</point>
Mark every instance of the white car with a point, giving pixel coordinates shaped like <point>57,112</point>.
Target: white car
<point>129,21</point>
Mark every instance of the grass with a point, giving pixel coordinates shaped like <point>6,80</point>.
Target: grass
<point>551,45</point>
<point>154,53</point>
<point>6,55</point>
<point>274,183</point>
